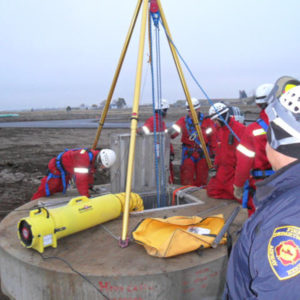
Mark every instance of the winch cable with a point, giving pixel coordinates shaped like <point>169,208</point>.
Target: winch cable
<point>144,81</point>
<point>160,117</point>
<point>198,84</point>
<point>75,271</point>
<point>154,119</point>
<point>158,141</point>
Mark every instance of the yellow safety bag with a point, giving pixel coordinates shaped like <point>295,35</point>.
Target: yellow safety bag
<point>177,235</point>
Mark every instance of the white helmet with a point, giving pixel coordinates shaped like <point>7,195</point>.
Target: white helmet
<point>196,103</point>
<point>107,157</point>
<point>282,85</point>
<point>284,129</point>
<point>218,109</point>
<point>262,92</point>
<point>291,100</point>
<point>164,104</point>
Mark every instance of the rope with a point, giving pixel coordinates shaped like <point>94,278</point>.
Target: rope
<point>154,124</point>
<point>197,83</point>
<point>160,119</point>
<point>176,190</point>
<point>144,83</point>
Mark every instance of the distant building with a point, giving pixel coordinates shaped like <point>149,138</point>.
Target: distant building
<point>242,94</point>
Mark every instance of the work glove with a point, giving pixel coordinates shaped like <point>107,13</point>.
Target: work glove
<point>140,131</point>
<point>170,131</point>
<point>212,172</point>
<point>94,190</point>
<point>238,192</point>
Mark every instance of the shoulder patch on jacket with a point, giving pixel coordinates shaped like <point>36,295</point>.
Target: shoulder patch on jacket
<point>284,252</point>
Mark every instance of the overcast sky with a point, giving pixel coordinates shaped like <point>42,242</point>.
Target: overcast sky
<point>58,53</point>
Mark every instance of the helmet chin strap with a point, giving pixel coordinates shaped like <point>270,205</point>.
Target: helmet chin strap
<point>225,117</point>
<point>101,166</point>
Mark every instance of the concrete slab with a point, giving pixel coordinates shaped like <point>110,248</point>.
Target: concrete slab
<point>119,273</point>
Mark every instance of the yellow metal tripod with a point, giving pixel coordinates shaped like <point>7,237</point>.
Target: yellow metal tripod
<point>135,107</point>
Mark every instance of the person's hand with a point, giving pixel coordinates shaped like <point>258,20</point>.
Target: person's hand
<point>94,190</point>
<point>72,182</point>
<point>172,156</point>
<point>140,131</point>
<point>238,192</point>
<point>212,172</point>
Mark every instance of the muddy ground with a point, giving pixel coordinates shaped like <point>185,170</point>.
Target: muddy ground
<point>25,152</point>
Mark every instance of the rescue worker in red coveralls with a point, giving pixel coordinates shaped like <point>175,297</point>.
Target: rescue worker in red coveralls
<point>148,127</point>
<point>194,168</point>
<point>220,185</point>
<point>252,162</point>
<point>77,164</point>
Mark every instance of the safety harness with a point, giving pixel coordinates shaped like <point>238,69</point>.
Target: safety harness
<point>187,151</point>
<point>262,124</point>
<point>63,172</point>
<point>256,174</point>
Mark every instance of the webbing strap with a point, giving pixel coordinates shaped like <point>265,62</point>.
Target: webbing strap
<point>186,153</point>
<point>262,124</point>
<point>47,186</point>
<point>191,128</point>
<point>254,173</point>
<point>262,173</point>
<point>60,167</point>
<point>246,194</point>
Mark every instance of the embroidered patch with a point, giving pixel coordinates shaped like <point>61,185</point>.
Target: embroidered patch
<point>284,252</point>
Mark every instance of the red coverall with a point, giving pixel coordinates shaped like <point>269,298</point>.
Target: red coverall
<point>160,127</point>
<point>77,164</point>
<point>251,155</point>
<point>221,186</point>
<point>194,168</point>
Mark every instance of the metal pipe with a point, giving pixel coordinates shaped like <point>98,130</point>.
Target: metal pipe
<point>182,194</point>
<point>185,88</point>
<point>117,73</point>
<point>225,227</point>
<point>134,122</point>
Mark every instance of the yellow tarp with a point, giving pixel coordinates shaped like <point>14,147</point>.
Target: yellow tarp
<point>177,235</point>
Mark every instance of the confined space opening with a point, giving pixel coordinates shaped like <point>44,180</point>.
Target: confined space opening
<point>168,199</point>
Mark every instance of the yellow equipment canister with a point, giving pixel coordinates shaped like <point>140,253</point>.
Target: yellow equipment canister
<point>45,226</point>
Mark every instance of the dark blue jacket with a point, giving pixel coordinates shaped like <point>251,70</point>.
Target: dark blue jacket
<point>265,261</point>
